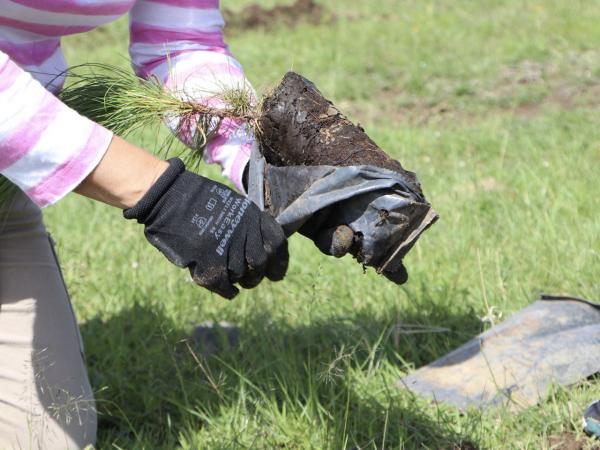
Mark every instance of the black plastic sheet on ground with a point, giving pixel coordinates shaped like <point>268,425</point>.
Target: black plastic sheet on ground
<point>555,340</point>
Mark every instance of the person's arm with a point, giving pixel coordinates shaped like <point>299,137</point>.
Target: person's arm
<point>46,148</point>
<point>221,237</point>
<point>181,43</point>
<point>123,176</point>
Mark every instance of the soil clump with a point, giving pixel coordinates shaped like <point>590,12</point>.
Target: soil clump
<point>300,127</point>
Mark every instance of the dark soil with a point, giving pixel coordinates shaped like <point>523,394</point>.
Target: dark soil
<point>301,127</point>
<point>464,445</point>
<point>256,16</point>
<point>568,441</point>
<point>297,126</point>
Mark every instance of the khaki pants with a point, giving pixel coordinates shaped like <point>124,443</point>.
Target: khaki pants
<point>46,401</point>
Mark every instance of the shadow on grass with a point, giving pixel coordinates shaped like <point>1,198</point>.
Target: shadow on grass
<point>334,378</point>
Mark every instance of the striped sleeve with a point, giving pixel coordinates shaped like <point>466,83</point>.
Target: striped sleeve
<point>181,43</point>
<point>46,148</point>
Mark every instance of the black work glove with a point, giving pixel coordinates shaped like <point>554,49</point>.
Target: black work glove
<point>222,237</point>
<point>338,240</point>
<point>328,227</point>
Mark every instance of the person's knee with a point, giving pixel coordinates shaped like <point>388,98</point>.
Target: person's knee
<point>46,401</point>
<point>51,418</point>
<point>63,409</point>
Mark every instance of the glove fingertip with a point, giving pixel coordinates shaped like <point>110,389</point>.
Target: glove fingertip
<point>251,280</point>
<point>398,276</point>
<point>216,281</point>
<point>335,241</point>
<point>229,294</point>
<point>272,233</point>
<point>278,264</point>
<point>276,247</point>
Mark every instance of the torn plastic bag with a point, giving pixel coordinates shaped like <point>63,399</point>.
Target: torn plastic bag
<point>555,340</point>
<point>386,215</point>
<point>591,419</point>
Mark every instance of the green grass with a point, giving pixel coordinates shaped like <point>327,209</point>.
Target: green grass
<point>493,104</point>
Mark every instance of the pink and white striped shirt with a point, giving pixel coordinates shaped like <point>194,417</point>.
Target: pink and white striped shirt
<point>46,148</point>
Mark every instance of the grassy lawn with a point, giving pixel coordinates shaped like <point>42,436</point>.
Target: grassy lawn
<point>494,104</point>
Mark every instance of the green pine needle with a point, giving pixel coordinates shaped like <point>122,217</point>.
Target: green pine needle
<point>124,103</point>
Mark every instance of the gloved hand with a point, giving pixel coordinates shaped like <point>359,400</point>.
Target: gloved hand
<point>339,239</point>
<point>343,210</point>
<point>222,237</point>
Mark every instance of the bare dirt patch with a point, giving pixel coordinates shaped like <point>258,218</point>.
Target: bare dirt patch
<point>523,89</point>
<point>568,441</point>
<point>416,111</point>
<point>255,16</point>
<point>464,445</point>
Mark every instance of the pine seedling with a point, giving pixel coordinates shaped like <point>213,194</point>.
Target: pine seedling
<point>124,103</point>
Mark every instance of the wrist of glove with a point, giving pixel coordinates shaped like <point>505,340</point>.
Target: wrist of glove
<point>220,236</point>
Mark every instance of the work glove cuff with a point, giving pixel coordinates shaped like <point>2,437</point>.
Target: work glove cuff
<point>142,209</point>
